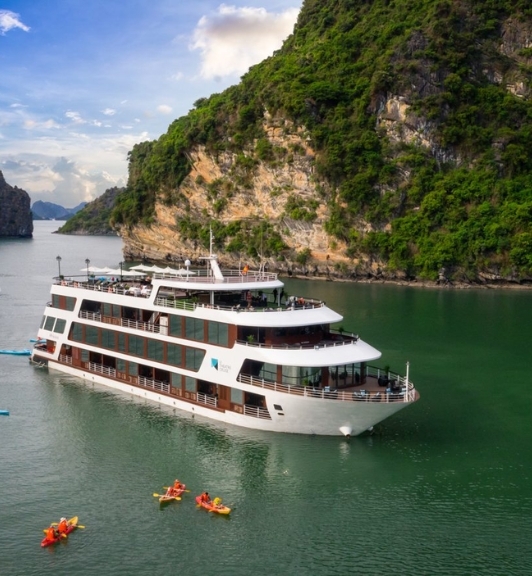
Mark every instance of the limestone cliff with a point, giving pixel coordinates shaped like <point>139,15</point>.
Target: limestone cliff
<point>15,212</point>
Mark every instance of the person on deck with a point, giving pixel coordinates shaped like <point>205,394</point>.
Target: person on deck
<point>245,270</point>
<point>63,526</point>
<point>205,498</point>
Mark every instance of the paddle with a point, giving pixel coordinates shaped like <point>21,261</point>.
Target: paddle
<point>155,495</point>
<point>77,525</point>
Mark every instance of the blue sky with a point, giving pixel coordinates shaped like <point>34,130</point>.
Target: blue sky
<point>82,81</point>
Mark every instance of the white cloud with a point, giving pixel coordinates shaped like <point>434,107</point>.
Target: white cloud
<point>234,39</point>
<point>10,20</point>
<point>109,112</point>
<point>164,109</point>
<point>75,117</point>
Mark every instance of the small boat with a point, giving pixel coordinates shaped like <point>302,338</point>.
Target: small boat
<point>4,412</point>
<point>24,352</point>
<point>72,525</point>
<point>212,508</point>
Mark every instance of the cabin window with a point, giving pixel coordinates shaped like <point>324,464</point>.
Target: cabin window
<point>120,365</point>
<point>176,379</point>
<point>84,355</point>
<point>77,332</point>
<point>155,350</point>
<point>237,396</point>
<point>91,335</point>
<point>49,324</point>
<point>136,345</point>
<point>190,384</point>
<point>55,301</point>
<point>59,327</point>
<point>133,368</point>
<point>108,339</point>
<point>70,303</point>
<point>107,309</point>
<point>194,358</point>
<point>121,342</point>
<point>175,325</point>
<point>174,354</point>
<point>194,329</point>
<point>218,333</point>
<point>268,372</point>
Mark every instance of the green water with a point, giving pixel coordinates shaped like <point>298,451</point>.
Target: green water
<point>444,487</point>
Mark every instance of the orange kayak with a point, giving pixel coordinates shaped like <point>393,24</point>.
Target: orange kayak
<point>72,525</point>
<point>211,507</point>
<point>169,497</point>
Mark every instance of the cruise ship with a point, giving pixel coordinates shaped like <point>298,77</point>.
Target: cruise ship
<point>224,344</point>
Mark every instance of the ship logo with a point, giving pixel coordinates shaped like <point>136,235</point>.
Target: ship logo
<point>214,363</point>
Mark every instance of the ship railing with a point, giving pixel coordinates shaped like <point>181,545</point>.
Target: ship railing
<point>257,412</point>
<point>230,277</point>
<point>404,394</point>
<point>181,304</point>
<point>207,399</point>
<point>101,369</point>
<point>303,345</point>
<point>65,359</point>
<point>158,385</point>
<point>126,322</point>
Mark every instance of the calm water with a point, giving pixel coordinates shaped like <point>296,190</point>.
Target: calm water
<point>444,487</point>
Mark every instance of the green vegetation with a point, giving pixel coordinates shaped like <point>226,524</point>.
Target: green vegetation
<point>463,202</point>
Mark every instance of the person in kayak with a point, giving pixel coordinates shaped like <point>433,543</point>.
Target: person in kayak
<point>205,498</point>
<point>51,533</point>
<point>63,526</point>
<point>217,502</point>
<point>177,485</point>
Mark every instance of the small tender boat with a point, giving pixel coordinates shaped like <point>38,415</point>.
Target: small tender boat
<point>4,412</point>
<point>72,525</point>
<point>24,352</point>
<point>212,508</point>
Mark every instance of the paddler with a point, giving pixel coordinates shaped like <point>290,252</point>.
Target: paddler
<point>205,498</point>
<point>51,533</point>
<point>217,502</point>
<point>63,526</point>
<point>177,485</point>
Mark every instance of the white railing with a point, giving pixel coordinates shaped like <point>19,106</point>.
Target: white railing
<point>65,359</point>
<point>207,399</point>
<point>154,384</point>
<point>97,317</point>
<point>401,395</point>
<point>257,412</point>
<point>105,370</point>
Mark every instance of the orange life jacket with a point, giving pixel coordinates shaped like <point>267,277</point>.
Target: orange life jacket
<point>50,534</point>
<point>62,528</point>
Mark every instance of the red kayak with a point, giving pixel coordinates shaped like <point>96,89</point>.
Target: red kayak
<point>72,525</point>
<point>211,507</point>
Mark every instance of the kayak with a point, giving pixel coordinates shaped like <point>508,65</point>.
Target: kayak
<point>72,525</point>
<point>24,352</point>
<point>212,508</point>
<point>174,496</point>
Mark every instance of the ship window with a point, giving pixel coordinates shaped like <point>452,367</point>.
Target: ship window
<point>278,407</point>
<point>70,303</point>
<point>218,333</point>
<point>237,396</point>
<point>91,335</point>
<point>136,345</point>
<point>43,321</point>
<point>59,327</point>
<point>190,384</point>
<point>84,355</point>
<point>107,309</point>
<point>155,350</point>
<point>77,332</point>
<point>268,372</point>
<point>121,342</point>
<point>55,301</point>
<point>176,380</point>
<point>117,313</point>
<point>120,365</point>
<point>108,339</point>
<point>194,358</point>
<point>174,354</point>
<point>49,324</point>
<point>175,325</point>
<point>133,368</point>
<point>194,329</point>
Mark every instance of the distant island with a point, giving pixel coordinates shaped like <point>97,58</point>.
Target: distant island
<point>50,211</point>
<point>15,213</point>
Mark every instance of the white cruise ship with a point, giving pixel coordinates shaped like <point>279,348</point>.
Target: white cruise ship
<point>222,344</point>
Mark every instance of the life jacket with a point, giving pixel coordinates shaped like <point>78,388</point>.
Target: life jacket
<point>50,534</point>
<point>62,526</point>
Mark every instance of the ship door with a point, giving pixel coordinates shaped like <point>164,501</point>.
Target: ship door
<point>224,397</point>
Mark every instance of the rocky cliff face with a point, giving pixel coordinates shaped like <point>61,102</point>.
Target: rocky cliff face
<point>15,212</point>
